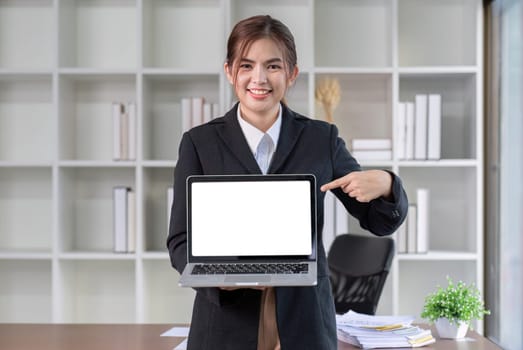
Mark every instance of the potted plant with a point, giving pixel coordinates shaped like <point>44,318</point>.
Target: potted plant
<point>452,309</point>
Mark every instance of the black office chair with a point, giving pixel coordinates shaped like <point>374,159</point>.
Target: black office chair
<point>358,267</point>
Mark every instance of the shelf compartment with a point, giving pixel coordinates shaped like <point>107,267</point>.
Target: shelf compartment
<point>437,33</point>
<point>353,33</point>
<point>420,278</point>
<point>26,118</point>
<point>162,121</point>
<point>86,207</point>
<point>25,291</point>
<point>98,34</point>
<point>164,300</point>
<point>27,34</point>
<point>156,181</point>
<point>26,203</point>
<point>97,291</point>
<point>458,109</point>
<point>452,205</point>
<point>85,114</point>
<point>178,34</point>
<point>295,14</point>
<point>366,99</point>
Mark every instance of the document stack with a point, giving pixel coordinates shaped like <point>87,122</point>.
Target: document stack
<point>373,332</point>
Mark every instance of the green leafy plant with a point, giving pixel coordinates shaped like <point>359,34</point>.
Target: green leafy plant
<point>458,302</point>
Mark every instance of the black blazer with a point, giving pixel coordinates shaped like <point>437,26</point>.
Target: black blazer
<point>305,315</point>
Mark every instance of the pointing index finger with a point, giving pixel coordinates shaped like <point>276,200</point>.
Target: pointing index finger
<point>331,185</point>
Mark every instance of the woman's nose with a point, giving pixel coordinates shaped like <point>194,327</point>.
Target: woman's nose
<point>260,75</point>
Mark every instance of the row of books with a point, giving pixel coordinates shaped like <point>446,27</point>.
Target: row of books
<point>124,217</point>
<point>371,149</point>
<point>419,128</point>
<point>124,130</point>
<point>413,234</point>
<point>372,332</point>
<point>197,111</point>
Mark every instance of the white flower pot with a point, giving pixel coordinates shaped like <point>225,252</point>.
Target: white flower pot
<point>451,331</point>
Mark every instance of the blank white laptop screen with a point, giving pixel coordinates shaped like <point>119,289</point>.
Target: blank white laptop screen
<point>266,218</point>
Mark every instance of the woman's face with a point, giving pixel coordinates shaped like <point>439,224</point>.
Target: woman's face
<point>262,79</point>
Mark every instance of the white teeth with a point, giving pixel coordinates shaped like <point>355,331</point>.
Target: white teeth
<point>259,92</point>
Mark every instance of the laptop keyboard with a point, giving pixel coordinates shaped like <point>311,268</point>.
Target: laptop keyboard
<point>283,268</point>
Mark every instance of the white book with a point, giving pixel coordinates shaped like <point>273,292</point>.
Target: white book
<point>186,114</point>
<point>371,144</point>
<point>124,135</point>
<point>420,128</point>
<point>409,130</point>
<point>412,244</point>
<point>131,114</point>
<point>207,112</point>
<point>372,154</point>
<point>117,110</point>
<point>215,110</point>
<point>341,218</point>
<point>423,208</point>
<point>120,219</point>
<point>329,226</point>
<point>197,111</point>
<point>401,132</point>
<point>401,238</point>
<point>434,127</point>
<point>170,197</point>
<point>131,221</point>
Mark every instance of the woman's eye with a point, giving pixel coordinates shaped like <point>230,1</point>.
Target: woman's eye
<point>245,66</point>
<point>274,67</point>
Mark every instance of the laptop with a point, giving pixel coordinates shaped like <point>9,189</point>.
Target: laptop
<point>251,230</point>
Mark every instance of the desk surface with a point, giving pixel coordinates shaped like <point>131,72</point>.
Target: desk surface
<point>142,336</point>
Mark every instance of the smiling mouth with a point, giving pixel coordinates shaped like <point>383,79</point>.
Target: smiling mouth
<point>259,92</point>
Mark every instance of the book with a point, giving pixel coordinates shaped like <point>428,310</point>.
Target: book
<point>412,226</point>
<point>422,224</point>
<point>371,144</point>
<point>120,219</point>
<point>434,127</point>
<point>131,221</point>
<point>207,112</point>
<point>131,132</point>
<point>409,130</point>
<point>372,154</point>
<point>197,111</point>
<point>186,113</point>
<point>420,128</point>
<point>341,220</point>
<point>401,132</point>
<point>117,110</point>
<point>170,197</point>
<point>401,238</point>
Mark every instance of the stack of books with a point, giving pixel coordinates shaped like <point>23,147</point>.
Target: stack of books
<point>419,128</point>
<point>197,111</point>
<point>372,149</point>
<point>413,234</point>
<point>373,332</point>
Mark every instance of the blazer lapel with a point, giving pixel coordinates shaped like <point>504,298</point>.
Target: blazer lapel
<point>290,131</point>
<point>232,135</point>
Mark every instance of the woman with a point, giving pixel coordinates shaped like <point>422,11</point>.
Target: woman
<point>261,65</point>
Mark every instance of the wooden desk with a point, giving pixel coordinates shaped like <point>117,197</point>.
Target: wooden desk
<point>140,337</point>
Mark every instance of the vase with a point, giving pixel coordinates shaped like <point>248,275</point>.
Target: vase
<point>451,330</point>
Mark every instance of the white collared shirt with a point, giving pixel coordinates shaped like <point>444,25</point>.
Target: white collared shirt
<point>254,135</point>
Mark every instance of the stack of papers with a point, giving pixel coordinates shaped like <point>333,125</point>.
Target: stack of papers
<point>371,332</point>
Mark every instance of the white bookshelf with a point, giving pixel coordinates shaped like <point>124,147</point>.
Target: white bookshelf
<point>63,63</point>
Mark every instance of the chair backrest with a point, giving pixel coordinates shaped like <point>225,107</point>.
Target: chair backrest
<point>358,267</point>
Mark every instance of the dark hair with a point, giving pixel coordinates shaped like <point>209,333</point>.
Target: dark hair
<point>254,28</point>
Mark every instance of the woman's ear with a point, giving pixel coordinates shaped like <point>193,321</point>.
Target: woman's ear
<point>294,75</point>
<point>228,72</point>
